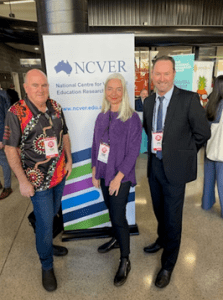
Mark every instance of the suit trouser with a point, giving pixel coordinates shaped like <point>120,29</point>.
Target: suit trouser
<point>117,212</point>
<point>168,202</point>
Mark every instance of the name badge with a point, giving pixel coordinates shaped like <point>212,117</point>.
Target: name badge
<point>51,148</point>
<point>103,153</point>
<point>157,138</point>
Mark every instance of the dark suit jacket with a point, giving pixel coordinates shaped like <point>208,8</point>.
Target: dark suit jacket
<point>186,130</point>
<point>138,104</point>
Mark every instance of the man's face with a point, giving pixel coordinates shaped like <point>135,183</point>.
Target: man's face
<point>144,94</point>
<point>36,87</point>
<point>163,76</point>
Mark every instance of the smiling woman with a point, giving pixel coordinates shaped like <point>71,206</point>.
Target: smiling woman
<point>114,93</point>
<point>116,145</point>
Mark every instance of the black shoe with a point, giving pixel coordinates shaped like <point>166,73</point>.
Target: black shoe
<point>123,271</point>
<point>112,244</point>
<point>153,248</point>
<point>163,278</point>
<point>59,251</point>
<point>5,193</point>
<point>49,280</point>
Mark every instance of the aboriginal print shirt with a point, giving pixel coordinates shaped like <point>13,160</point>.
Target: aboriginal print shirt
<point>26,127</point>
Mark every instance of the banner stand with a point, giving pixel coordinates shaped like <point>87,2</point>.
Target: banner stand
<point>96,233</point>
<point>76,80</point>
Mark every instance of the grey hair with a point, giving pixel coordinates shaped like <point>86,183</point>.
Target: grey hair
<point>125,110</point>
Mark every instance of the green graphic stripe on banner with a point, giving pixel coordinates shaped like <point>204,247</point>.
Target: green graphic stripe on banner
<point>89,223</point>
<point>80,171</point>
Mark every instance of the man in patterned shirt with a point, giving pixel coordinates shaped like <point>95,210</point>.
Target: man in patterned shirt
<point>37,146</point>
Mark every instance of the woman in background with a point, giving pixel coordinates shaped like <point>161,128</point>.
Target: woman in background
<point>213,170</point>
<point>116,145</point>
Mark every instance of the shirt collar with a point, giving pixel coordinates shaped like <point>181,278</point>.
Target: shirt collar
<point>167,96</point>
<point>33,108</point>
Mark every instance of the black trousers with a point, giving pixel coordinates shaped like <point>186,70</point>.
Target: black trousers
<point>117,212</point>
<point>168,200</point>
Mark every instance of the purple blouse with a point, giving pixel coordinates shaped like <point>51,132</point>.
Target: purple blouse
<point>125,140</point>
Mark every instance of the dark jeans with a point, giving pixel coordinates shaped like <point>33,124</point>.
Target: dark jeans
<point>168,200</point>
<point>117,212</point>
<point>46,205</point>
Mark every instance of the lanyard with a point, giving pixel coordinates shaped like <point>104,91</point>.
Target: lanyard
<point>107,128</point>
<point>48,117</point>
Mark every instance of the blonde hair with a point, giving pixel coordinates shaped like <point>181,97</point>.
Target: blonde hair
<point>125,110</point>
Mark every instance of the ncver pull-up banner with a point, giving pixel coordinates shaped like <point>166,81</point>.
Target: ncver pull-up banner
<point>77,67</point>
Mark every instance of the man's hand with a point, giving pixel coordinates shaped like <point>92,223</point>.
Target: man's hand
<point>68,169</point>
<point>26,189</point>
<point>1,145</point>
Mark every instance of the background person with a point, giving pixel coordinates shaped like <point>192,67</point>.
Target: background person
<point>13,95</point>
<point>38,127</point>
<point>116,144</point>
<point>175,123</point>
<point>4,106</point>
<point>213,170</point>
<point>139,101</point>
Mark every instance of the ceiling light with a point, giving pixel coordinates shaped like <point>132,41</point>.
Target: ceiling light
<point>36,48</point>
<point>18,2</point>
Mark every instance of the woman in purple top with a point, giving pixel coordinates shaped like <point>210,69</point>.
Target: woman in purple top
<point>116,146</point>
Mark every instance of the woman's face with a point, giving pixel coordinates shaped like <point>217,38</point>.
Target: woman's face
<point>114,92</point>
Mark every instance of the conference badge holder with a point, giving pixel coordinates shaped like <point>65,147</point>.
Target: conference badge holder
<point>103,152</point>
<point>157,140</point>
<point>51,148</point>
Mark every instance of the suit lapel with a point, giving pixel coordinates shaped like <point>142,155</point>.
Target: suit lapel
<point>150,112</point>
<point>171,108</point>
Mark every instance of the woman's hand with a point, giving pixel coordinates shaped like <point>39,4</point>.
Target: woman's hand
<point>96,182</point>
<point>115,184</point>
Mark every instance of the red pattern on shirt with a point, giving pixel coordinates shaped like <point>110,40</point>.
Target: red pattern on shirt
<point>59,172</point>
<point>22,111</point>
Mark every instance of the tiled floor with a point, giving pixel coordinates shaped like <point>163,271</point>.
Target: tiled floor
<point>86,274</point>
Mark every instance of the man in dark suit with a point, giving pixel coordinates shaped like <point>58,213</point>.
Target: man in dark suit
<point>175,123</point>
<point>14,96</point>
<point>139,101</point>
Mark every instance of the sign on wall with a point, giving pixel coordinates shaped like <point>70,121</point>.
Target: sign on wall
<point>184,65</point>
<point>202,83</point>
<point>77,67</point>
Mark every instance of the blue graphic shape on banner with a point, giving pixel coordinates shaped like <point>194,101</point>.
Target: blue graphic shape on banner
<point>81,155</point>
<point>81,199</point>
<point>90,210</point>
<point>62,66</point>
<point>83,212</point>
<point>184,71</point>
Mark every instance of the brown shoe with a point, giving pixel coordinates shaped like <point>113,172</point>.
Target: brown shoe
<point>5,193</point>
